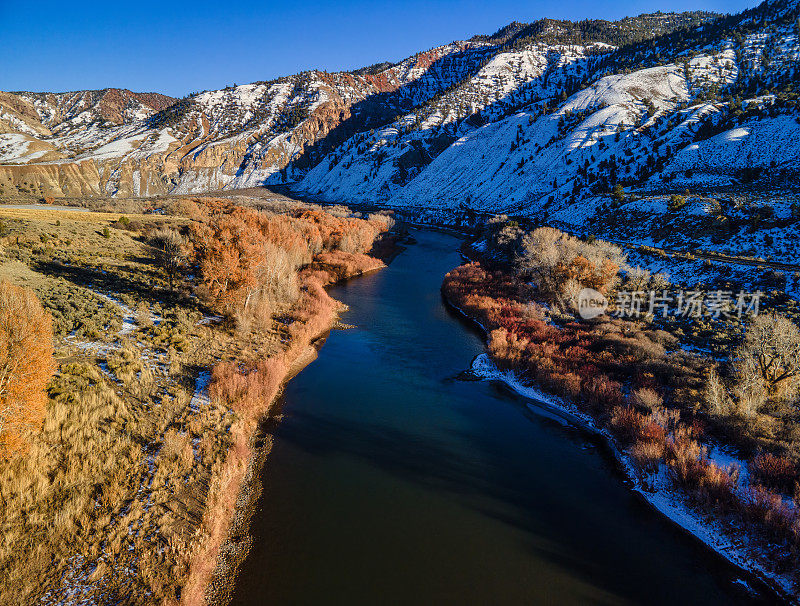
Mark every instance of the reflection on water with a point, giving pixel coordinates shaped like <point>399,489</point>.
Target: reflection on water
<point>392,481</point>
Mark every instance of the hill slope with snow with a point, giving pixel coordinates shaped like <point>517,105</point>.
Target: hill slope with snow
<point>527,120</point>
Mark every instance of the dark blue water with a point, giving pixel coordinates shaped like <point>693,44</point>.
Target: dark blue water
<point>393,482</point>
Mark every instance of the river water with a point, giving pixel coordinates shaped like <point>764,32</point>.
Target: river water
<point>394,481</point>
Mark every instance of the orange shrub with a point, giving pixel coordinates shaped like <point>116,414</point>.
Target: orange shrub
<point>701,478</point>
<point>603,392</point>
<point>647,455</point>
<point>342,265</point>
<point>248,259</point>
<point>26,364</point>
<point>247,389</point>
<point>627,424</point>
<point>586,363</point>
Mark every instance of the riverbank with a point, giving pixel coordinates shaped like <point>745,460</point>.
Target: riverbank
<point>391,476</point>
<point>214,566</point>
<point>655,482</point>
<point>128,490</point>
<point>661,499</point>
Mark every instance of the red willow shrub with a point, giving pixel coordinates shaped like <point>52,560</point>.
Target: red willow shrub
<point>778,473</point>
<point>342,265</point>
<point>702,479</point>
<point>627,424</point>
<point>647,455</point>
<point>249,387</point>
<point>776,516</point>
<point>652,432</point>
<point>603,392</point>
<point>589,363</point>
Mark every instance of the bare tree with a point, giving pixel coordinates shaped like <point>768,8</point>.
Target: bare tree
<point>639,279</point>
<point>542,254</point>
<point>768,360</point>
<point>716,394</point>
<point>503,234</point>
<point>561,264</point>
<point>170,248</point>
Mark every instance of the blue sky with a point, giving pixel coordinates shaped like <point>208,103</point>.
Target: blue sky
<point>176,47</point>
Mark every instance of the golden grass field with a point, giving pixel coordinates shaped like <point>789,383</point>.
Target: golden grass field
<point>108,501</point>
<point>128,492</point>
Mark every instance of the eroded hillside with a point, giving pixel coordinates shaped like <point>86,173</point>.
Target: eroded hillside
<point>529,120</point>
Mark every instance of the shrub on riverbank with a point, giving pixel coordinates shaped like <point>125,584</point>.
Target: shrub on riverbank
<point>129,486</point>
<point>248,260</point>
<point>307,249</point>
<point>342,265</point>
<point>244,388</point>
<point>623,374</point>
<point>588,361</point>
<point>561,264</point>
<point>775,472</point>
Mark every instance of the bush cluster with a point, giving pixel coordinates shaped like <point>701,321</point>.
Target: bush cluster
<point>249,260</point>
<point>622,373</point>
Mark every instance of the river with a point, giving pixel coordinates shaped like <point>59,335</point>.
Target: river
<point>394,481</point>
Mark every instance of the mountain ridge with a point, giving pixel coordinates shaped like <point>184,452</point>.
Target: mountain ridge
<point>375,134</point>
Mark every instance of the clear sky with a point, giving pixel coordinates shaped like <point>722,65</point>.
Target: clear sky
<point>175,46</point>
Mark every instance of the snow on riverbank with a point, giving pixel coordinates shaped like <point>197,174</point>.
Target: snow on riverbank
<point>657,489</point>
<point>200,398</point>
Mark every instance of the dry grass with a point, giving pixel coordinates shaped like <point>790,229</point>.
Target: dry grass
<point>67,217</point>
<point>128,491</point>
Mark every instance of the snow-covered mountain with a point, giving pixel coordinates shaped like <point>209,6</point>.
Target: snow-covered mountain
<point>59,123</point>
<point>552,123</point>
<point>530,119</point>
